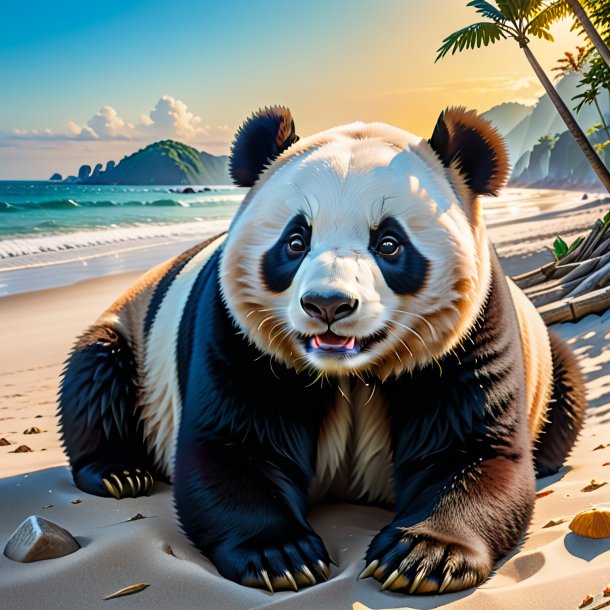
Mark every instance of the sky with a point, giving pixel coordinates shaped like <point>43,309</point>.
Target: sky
<point>86,82</point>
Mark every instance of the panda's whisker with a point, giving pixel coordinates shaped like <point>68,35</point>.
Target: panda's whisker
<point>264,321</point>
<point>416,334</point>
<point>409,313</point>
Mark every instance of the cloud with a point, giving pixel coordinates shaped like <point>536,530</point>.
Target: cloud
<point>171,118</point>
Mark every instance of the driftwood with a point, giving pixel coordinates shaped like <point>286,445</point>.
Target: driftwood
<point>575,285</point>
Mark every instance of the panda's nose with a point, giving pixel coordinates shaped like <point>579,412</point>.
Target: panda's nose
<point>328,307</point>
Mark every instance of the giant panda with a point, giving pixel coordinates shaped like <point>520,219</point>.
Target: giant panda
<point>351,337</point>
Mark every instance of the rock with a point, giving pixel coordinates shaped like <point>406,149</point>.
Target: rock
<point>36,539</point>
<point>84,172</point>
<point>97,170</point>
<point>4,442</point>
<point>21,449</point>
<point>110,166</point>
<point>188,189</point>
<point>585,197</point>
<point>33,430</point>
<point>56,176</point>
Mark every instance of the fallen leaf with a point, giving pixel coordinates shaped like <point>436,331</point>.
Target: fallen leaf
<point>552,523</point>
<point>136,517</point>
<point>606,464</point>
<point>585,602</point>
<point>601,447</point>
<point>593,485</point>
<point>606,591</point>
<point>128,590</point>
<point>547,492</point>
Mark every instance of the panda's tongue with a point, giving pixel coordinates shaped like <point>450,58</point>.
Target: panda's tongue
<point>330,341</point>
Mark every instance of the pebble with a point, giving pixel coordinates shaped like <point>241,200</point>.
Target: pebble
<point>36,539</point>
<point>21,449</point>
<point>33,430</point>
<point>4,442</point>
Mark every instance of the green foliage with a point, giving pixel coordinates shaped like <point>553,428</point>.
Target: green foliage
<point>562,249</point>
<point>549,139</point>
<point>470,37</point>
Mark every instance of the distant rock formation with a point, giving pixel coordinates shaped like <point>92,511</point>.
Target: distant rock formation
<point>164,162</point>
<point>56,177</point>
<point>542,152</point>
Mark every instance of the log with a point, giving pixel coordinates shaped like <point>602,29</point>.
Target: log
<point>602,248</point>
<point>573,310</point>
<point>531,278</point>
<point>596,280</point>
<point>599,225</point>
<point>553,293</point>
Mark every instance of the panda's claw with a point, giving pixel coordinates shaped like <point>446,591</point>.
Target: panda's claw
<point>118,485</point>
<point>266,580</point>
<point>131,485</point>
<point>308,575</point>
<point>323,569</point>
<point>286,581</point>
<point>390,579</point>
<point>114,492</point>
<point>368,571</point>
<point>148,483</point>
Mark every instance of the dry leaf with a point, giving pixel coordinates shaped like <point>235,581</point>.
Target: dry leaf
<point>128,590</point>
<point>607,591</point>
<point>552,523</point>
<point>606,464</point>
<point>593,485</point>
<point>33,430</point>
<point>547,492</point>
<point>585,602</point>
<point>601,447</point>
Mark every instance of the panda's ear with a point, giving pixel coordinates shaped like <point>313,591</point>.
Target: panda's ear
<point>465,141</point>
<point>262,137</point>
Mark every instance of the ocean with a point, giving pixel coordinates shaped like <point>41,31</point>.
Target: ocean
<point>49,216</point>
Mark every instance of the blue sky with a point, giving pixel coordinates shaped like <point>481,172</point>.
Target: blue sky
<point>91,73</point>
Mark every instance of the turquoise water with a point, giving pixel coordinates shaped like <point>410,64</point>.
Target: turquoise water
<point>29,209</point>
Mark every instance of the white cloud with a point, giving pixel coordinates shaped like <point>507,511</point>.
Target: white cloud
<point>172,118</point>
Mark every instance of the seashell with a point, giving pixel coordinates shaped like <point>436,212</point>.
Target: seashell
<point>586,601</point>
<point>36,539</point>
<point>33,430</point>
<point>592,523</point>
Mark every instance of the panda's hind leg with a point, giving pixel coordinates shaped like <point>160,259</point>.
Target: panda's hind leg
<point>566,411</point>
<point>100,429</point>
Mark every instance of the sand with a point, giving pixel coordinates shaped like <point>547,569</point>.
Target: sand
<point>552,568</point>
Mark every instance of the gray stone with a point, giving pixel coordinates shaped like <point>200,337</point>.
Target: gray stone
<point>36,539</point>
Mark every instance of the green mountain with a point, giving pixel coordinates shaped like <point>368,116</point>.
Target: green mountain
<point>164,162</point>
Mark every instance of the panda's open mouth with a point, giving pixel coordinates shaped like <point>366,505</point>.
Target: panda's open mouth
<point>337,345</point>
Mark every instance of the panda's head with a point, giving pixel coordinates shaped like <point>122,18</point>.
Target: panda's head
<point>361,248</point>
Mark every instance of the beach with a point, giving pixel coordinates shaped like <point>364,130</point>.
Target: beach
<point>551,569</point>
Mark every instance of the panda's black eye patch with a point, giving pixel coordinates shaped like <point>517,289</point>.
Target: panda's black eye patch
<point>403,267</point>
<point>282,261</point>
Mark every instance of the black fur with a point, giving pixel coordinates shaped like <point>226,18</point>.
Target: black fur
<point>466,145</point>
<point>279,265</point>
<point>445,429</point>
<point>565,415</point>
<point>247,439</point>
<point>262,138</point>
<point>404,272</point>
<point>97,411</point>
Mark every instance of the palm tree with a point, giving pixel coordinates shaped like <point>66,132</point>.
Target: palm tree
<point>589,28</point>
<point>519,19</point>
<point>576,63</point>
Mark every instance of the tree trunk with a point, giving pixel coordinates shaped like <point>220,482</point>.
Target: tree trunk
<point>577,133</point>
<point>589,28</point>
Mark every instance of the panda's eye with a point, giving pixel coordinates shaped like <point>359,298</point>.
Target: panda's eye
<point>296,244</point>
<point>388,246</point>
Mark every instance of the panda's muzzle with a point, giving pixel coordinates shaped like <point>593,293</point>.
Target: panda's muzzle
<point>328,307</point>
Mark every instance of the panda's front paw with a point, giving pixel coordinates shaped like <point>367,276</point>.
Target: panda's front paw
<point>300,563</point>
<point>408,562</point>
<point>114,479</point>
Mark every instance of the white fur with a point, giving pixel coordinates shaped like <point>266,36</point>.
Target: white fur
<point>161,403</point>
<point>345,186</point>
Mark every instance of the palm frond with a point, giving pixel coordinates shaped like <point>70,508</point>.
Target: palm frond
<point>547,16</point>
<point>482,33</point>
<point>487,10</point>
